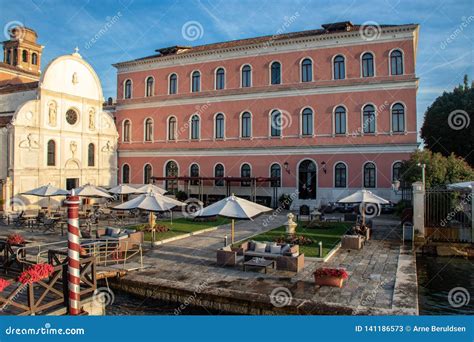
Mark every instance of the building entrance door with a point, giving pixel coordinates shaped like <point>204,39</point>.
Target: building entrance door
<point>72,183</point>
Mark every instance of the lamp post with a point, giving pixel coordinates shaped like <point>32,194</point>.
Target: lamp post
<point>423,167</point>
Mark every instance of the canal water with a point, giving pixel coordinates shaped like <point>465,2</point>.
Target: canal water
<point>445,285</point>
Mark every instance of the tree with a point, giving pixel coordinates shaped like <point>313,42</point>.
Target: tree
<point>448,126</point>
<point>439,170</point>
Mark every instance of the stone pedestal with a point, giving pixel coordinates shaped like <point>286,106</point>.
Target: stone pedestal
<point>290,224</point>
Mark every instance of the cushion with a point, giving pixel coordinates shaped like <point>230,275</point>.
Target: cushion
<point>260,247</point>
<point>111,231</point>
<point>275,249</point>
<point>285,248</point>
<point>251,245</point>
<point>227,249</point>
<point>130,231</point>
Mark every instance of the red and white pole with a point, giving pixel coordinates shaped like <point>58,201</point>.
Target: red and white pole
<point>73,252</point>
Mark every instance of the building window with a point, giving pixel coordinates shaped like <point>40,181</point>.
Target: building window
<point>91,155</point>
<point>246,125</point>
<point>148,129</point>
<point>307,122</point>
<point>275,172</point>
<point>147,174</point>
<point>127,91</point>
<point>34,59</point>
<point>276,73</point>
<point>275,123</point>
<point>245,173</point>
<point>339,68</point>
<point>171,170</point>
<point>172,128</point>
<point>369,175</point>
<point>15,56</point>
<point>307,180</point>
<point>51,153</point>
<point>246,76</point>
<point>396,171</point>
<point>219,173</point>
<point>340,175</point>
<point>340,120</point>
<point>196,82</point>
<point>195,127</point>
<point>219,126</point>
<point>126,131</point>
<point>396,62</point>
<point>9,56</point>
<point>150,83</point>
<point>220,78</point>
<point>367,65</point>
<point>194,172</point>
<point>125,174</point>
<point>173,86</point>
<point>24,56</point>
<point>369,119</point>
<point>306,70</point>
<point>398,118</point>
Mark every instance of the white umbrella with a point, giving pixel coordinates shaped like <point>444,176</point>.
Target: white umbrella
<point>123,189</point>
<point>150,202</point>
<point>47,191</point>
<point>363,196</point>
<point>465,185</point>
<point>235,208</point>
<point>150,187</point>
<point>90,190</point>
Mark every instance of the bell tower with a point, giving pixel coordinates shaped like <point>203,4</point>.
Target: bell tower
<point>22,51</point>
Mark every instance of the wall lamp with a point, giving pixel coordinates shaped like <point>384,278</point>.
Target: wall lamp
<point>323,164</point>
<point>287,167</point>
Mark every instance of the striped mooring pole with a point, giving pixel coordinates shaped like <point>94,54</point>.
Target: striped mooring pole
<point>73,252</point>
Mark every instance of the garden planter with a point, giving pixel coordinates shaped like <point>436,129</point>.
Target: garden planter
<point>328,281</point>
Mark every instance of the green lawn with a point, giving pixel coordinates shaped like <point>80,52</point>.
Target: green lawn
<point>330,234</point>
<point>180,226</point>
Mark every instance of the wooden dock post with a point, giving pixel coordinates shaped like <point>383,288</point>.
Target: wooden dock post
<point>73,246</point>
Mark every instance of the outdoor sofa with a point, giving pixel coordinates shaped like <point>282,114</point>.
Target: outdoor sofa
<point>126,238</point>
<point>286,256</point>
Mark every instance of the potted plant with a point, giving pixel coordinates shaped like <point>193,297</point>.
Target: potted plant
<point>330,276</point>
<point>3,284</point>
<point>35,273</point>
<point>15,239</point>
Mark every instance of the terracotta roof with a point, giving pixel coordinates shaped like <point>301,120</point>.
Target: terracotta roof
<point>328,29</point>
<point>16,87</point>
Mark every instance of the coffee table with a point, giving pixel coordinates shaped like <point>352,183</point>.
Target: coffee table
<point>259,263</point>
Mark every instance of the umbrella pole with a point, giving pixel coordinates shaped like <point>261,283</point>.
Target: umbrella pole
<point>363,214</point>
<point>232,231</point>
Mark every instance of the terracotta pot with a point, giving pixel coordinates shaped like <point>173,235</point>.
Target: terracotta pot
<point>328,281</point>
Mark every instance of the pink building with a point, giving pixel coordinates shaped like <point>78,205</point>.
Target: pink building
<point>325,111</point>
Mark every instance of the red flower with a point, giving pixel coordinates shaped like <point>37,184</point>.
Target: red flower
<point>15,239</point>
<point>3,283</point>
<point>35,273</point>
<point>331,272</point>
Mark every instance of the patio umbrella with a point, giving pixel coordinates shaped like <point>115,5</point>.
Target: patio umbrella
<point>150,187</point>
<point>90,190</point>
<point>363,196</point>
<point>46,191</point>
<point>123,189</point>
<point>235,208</point>
<point>461,185</point>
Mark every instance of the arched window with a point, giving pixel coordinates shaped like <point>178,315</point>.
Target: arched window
<point>340,120</point>
<point>194,172</point>
<point>150,84</point>
<point>398,118</point>
<point>340,175</point>
<point>173,86</point>
<point>396,62</point>
<point>246,125</point>
<point>126,131</point>
<point>148,129</point>
<point>369,175</point>
<point>218,173</point>
<point>34,59</point>
<point>246,76</point>
<point>51,153</point>
<point>127,89</point>
<point>275,123</point>
<point>369,119</point>
<point>396,171</point>
<point>307,180</point>
<point>275,172</point>
<point>276,73</point>
<point>307,122</point>
<point>147,174</point>
<point>219,129</point>
<point>24,56</point>
<point>171,170</point>
<point>125,174</point>
<point>306,70</point>
<point>196,82</point>
<point>91,155</point>
<point>172,128</point>
<point>245,172</point>
<point>195,127</point>
<point>367,65</point>
<point>220,78</point>
<point>339,68</point>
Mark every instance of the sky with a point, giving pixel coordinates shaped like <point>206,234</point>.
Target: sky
<point>108,32</point>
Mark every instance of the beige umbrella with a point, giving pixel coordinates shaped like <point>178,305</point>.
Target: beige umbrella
<point>46,191</point>
<point>90,190</point>
<point>150,187</point>
<point>363,196</point>
<point>123,189</point>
